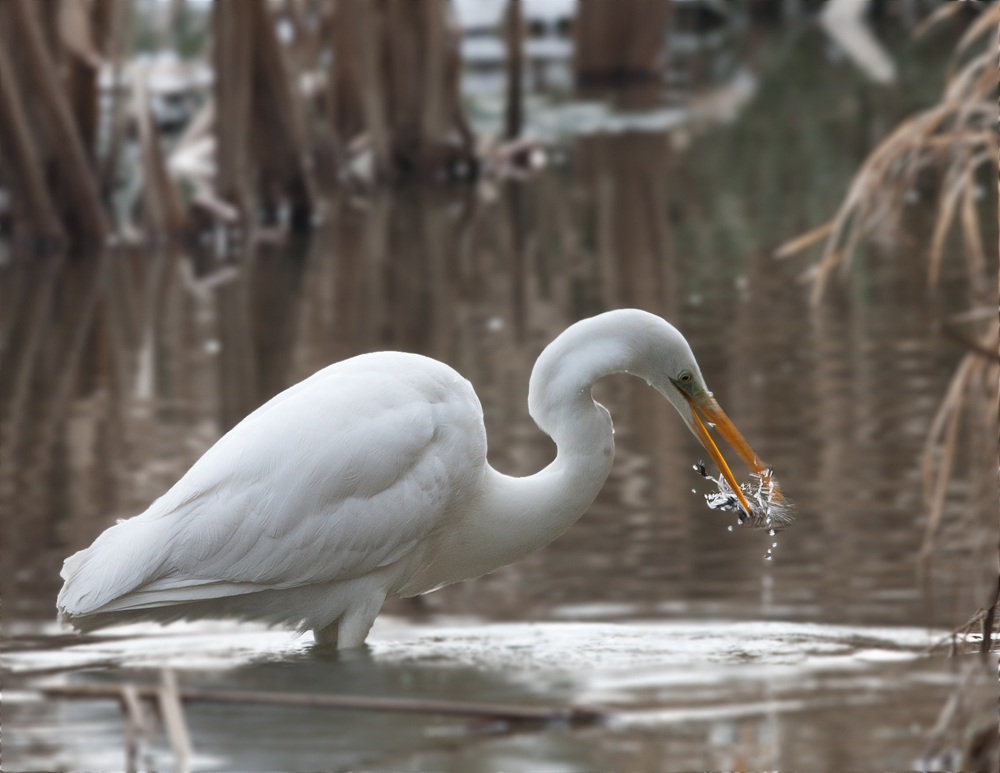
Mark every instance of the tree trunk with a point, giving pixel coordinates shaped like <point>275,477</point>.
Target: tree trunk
<point>619,39</point>
<point>74,184</point>
<point>21,154</point>
<point>396,82</point>
<point>262,145</point>
<point>514,35</point>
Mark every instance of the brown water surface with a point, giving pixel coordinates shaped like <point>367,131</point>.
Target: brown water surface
<point>120,369</point>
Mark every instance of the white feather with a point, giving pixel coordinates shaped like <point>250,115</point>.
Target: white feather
<point>317,486</point>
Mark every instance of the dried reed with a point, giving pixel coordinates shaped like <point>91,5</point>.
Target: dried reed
<point>956,137</point>
<point>960,453</point>
<point>965,734</point>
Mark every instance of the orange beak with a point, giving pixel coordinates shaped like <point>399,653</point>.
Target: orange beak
<point>705,404</point>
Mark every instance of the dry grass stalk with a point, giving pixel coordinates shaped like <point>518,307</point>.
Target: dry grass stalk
<point>970,400</point>
<point>945,11</point>
<point>956,134</point>
<point>965,734</point>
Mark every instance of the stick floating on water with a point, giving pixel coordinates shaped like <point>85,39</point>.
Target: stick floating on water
<point>571,714</point>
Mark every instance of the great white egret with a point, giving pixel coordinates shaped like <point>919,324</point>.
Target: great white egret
<point>369,479</point>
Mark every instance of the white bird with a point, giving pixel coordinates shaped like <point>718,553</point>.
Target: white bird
<point>369,480</point>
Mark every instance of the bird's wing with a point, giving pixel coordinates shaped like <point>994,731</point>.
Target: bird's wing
<point>342,474</point>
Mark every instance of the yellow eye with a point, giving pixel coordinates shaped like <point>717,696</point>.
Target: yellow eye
<point>685,378</point>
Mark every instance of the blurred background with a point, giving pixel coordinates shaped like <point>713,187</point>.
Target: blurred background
<point>202,203</point>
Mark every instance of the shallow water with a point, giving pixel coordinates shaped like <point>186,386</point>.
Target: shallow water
<point>681,693</point>
<point>119,370</point>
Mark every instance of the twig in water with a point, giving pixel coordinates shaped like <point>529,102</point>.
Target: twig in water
<point>135,725</point>
<point>173,719</point>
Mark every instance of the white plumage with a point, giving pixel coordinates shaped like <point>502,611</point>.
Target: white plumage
<point>369,479</point>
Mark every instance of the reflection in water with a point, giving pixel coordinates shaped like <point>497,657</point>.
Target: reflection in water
<point>117,371</point>
<point>749,695</point>
<point>122,368</point>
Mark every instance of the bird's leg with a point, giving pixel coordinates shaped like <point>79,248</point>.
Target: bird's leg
<point>354,625</point>
<point>326,637</point>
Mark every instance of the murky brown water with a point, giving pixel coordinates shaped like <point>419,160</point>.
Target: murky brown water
<point>119,370</point>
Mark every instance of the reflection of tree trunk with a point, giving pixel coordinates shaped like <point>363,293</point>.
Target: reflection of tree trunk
<point>514,195</point>
<point>625,175</point>
<point>619,39</point>
<point>276,298</point>
<point>239,391</point>
<point>77,309</point>
<point>348,278</point>
<point>33,449</point>
<point>838,458</point>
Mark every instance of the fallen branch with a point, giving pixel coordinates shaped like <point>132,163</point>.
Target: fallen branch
<point>572,715</point>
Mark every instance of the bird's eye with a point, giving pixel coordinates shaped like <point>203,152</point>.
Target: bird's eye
<point>685,378</point>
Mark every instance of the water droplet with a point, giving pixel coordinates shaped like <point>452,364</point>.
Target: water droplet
<point>767,558</point>
<point>771,532</point>
<point>693,491</point>
<point>730,527</point>
<point>774,544</point>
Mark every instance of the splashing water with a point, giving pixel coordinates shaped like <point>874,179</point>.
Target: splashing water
<point>768,507</point>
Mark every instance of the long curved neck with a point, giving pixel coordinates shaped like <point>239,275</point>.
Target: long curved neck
<point>519,515</point>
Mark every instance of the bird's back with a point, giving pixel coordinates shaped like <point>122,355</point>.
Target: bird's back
<point>347,475</point>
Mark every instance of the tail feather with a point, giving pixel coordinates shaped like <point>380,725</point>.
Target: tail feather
<point>126,573</point>
<point>123,558</point>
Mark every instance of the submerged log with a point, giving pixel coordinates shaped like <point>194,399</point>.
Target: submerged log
<point>571,715</point>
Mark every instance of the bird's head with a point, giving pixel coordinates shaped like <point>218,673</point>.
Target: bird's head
<point>679,379</point>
